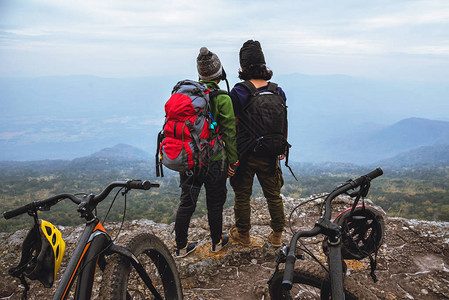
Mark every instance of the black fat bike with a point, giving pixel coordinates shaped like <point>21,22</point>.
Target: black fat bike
<point>142,268</point>
<point>354,234</point>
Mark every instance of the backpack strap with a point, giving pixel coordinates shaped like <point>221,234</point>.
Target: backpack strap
<point>287,153</point>
<point>212,94</point>
<point>215,93</point>
<point>159,170</point>
<point>271,87</point>
<point>249,86</point>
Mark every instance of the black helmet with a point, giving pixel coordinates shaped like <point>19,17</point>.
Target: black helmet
<point>363,232</point>
<point>42,252</point>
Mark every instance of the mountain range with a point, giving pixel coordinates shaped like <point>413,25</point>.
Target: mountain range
<point>331,118</point>
<point>380,144</point>
<point>426,156</point>
<point>408,143</point>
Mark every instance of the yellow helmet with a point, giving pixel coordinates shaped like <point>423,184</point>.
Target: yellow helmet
<point>54,237</point>
<point>42,252</point>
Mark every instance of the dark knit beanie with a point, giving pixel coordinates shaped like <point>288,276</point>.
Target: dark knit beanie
<point>208,65</point>
<point>251,54</point>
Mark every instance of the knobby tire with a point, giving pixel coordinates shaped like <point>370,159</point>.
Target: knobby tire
<point>309,282</point>
<point>121,281</point>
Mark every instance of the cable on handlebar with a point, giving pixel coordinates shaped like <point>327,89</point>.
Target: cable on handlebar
<point>112,203</point>
<point>297,206</point>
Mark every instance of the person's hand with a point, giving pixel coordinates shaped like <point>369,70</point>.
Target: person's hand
<point>232,168</point>
<point>231,171</point>
<point>281,157</point>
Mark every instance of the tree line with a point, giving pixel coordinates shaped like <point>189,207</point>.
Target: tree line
<point>409,193</point>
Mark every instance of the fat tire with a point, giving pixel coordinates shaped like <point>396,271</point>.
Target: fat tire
<point>312,276</point>
<point>115,277</point>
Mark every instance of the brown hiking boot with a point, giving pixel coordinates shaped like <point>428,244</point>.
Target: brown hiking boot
<point>240,237</point>
<point>275,238</point>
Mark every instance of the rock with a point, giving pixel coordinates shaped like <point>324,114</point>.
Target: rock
<point>413,262</point>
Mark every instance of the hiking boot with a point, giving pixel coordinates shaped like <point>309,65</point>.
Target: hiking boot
<point>223,242</point>
<point>275,238</point>
<point>240,237</point>
<point>185,251</point>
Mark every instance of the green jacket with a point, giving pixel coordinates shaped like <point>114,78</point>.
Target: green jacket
<point>223,113</point>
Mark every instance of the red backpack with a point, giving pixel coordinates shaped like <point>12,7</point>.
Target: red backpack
<point>185,141</point>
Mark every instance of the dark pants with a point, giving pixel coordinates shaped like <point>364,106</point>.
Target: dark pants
<point>269,174</point>
<point>214,179</point>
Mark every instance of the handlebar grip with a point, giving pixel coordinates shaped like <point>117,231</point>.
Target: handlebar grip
<point>141,185</point>
<point>287,281</point>
<point>370,176</point>
<point>16,212</point>
<point>375,173</point>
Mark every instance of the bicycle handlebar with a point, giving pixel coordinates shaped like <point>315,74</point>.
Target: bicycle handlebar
<point>291,257</point>
<point>352,184</point>
<point>48,202</point>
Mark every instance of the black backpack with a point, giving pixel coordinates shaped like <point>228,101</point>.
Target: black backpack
<point>262,123</point>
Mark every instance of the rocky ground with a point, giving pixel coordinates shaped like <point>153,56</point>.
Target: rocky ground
<point>413,262</point>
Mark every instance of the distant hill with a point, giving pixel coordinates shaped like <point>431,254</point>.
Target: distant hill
<point>121,152</point>
<point>411,133</point>
<point>428,156</point>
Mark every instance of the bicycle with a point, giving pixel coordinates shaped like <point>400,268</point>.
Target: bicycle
<point>143,256</point>
<point>355,234</point>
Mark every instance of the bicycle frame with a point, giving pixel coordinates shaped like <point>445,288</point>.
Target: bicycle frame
<point>93,240</point>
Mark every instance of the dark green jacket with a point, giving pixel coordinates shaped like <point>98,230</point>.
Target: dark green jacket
<point>223,113</point>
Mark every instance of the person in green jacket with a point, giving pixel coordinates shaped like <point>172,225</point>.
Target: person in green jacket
<point>220,166</point>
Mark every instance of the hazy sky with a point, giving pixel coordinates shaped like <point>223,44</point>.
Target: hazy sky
<point>390,39</point>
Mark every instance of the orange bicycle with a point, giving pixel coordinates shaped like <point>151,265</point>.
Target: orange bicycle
<point>142,268</point>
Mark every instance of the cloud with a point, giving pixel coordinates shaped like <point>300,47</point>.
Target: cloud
<point>9,134</point>
<point>412,13</point>
<point>141,38</point>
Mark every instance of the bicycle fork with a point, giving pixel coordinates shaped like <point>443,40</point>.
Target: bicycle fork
<point>333,231</point>
<point>138,266</point>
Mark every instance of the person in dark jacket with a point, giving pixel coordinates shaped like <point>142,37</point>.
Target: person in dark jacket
<point>214,176</point>
<point>265,166</point>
